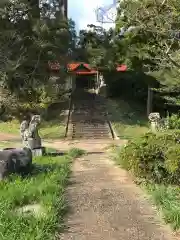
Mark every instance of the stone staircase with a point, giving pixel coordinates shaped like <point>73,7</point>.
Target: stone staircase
<point>90,130</point>
<point>88,118</point>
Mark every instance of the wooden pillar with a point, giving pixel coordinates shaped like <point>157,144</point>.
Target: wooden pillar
<point>97,82</point>
<point>149,100</point>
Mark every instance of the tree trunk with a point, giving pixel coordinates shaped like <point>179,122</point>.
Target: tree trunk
<point>35,10</point>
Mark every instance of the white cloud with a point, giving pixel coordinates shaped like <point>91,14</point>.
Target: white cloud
<point>83,12</point>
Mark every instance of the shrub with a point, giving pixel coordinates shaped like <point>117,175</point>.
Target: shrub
<point>149,156</point>
<point>172,162</point>
<point>174,121</point>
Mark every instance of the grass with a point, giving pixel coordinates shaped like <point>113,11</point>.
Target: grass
<point>53,128</point>
<point>167,199</point>
<point>128,119</point>
<point>45,188</point>
<point>5,144</point>
<point>48,130</point>
<point>76,152</point>
<point>10,127</point>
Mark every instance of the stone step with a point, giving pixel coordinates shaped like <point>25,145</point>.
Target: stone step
<point>91,128</point>
<point>90,137</point>
<point>88,118</point>
<point>92,132</point>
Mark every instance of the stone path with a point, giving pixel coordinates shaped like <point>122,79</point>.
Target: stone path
<point>107,205</point>
<point>88,145</point>
<point>8,137</point>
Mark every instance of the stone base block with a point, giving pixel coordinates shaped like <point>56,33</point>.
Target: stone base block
<point>37,152</point>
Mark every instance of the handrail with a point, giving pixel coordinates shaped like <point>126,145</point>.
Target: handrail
<point>112,132</point>
<point>69,113</point>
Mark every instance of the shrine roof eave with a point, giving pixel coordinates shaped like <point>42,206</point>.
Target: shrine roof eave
<point>83,72</point>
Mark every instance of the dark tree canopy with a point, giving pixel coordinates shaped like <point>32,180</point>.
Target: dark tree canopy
<point>30,36</point>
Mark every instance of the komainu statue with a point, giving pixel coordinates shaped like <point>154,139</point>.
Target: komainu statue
<point>154,118</point>
<point>24,130</point>
<point>29,132</point>
<point>34,139</point>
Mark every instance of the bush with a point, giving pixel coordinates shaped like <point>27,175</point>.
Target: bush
<point>174,121</point>
<point>172,162</point>
<point>151,157</point>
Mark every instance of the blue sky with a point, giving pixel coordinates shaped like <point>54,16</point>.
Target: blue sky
<point>83,11</point>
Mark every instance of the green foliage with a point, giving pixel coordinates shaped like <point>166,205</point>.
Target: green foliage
<point>94,47</point>
<point>174,121</point>
<point>172,161</point>
<point>75,152</point>
<point>150,157</point>
<point>30,37</point>
<point>44,188</point>
<point>149,42</point>
<point>154,37</point>
<point>166,198</point>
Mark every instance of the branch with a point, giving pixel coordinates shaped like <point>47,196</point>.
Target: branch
<point>174,62</point>
<point>163,3</point>
<point>39,55</point>
<point>169,47</point>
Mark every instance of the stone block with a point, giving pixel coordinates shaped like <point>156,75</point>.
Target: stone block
<point>38,152</point>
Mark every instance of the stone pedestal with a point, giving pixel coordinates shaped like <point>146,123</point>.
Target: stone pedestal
<point>154,126</point>
<point>34,143</point>
<point>38,152</point>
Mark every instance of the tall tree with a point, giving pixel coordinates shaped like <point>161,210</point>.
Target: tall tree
<point>27,43</point>
<point>34,8</point>
<point>150,40</point>
<point>95,46</point>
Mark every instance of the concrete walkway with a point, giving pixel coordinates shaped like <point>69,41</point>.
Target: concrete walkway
<point>107,205</point>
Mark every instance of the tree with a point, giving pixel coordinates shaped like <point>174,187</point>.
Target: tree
<point>150,40</point>
<point>94,46</point>
<point>34,8</point>
<point>27,43</point>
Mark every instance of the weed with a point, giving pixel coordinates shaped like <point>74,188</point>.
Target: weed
<point>167,199</point>
<point>44,190</point>
<point>48,130</point>
<point>127,119</point>
<point>75,152</point>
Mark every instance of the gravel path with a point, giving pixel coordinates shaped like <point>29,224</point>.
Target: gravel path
<point>107,205</point>
<point>8,136</point>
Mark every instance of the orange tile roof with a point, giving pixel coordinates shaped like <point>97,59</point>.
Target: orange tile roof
<point>73,66</point>
<point>121,68</point>
<point>87,66</point>
<point>86,73</point>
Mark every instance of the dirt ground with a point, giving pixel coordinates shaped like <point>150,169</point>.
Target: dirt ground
<point>87,145</point>
<point>7,136</point>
